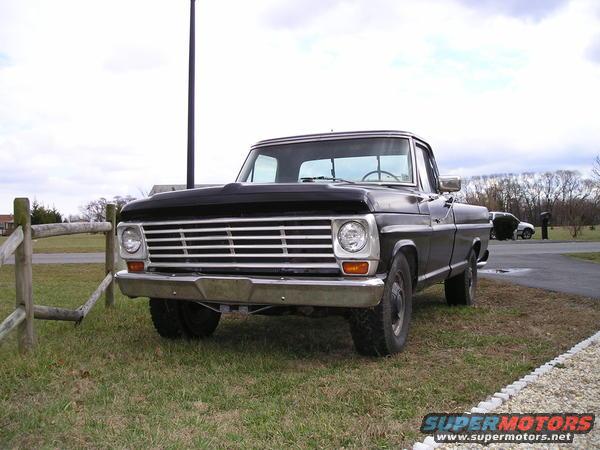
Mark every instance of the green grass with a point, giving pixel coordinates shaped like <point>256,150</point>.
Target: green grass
<point>563,234</point>
<point>76,243</point>
<point>264,382</point>
<point>595,257</point>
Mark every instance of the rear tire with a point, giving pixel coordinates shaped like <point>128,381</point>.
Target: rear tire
<point>383,330</point>
<point>461,289</point>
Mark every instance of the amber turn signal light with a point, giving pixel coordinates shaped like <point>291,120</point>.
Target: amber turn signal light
<point>356,268</point>
<point>135,266</point>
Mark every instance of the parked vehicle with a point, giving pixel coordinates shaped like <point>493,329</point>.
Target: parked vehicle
<point>525,230</point>
<point>338,223</point>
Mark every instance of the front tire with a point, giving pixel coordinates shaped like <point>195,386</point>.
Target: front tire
<point>197,320</point>
<point>461,289</point>
<point>526,234</point>
<point>165,317</point>
<point>383,330</point>
<point>177,319</point>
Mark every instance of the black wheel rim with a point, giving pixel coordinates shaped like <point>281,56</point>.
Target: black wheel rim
<point>470,275</point>
<point>398,300</point>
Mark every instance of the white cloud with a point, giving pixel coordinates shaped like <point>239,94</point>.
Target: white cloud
<point>93,94</point>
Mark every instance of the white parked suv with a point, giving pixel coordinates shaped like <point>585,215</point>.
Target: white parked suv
<point>525,230</point>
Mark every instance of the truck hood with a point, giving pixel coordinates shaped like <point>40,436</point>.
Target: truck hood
<point>251,199</point>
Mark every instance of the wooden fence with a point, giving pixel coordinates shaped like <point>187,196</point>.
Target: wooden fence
<point>19,243</point>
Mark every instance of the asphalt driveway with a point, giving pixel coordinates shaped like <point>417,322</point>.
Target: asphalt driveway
<point>544,265</point>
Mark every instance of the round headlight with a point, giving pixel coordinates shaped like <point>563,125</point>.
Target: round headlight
<point>131,240</point>
<point>352,236</point>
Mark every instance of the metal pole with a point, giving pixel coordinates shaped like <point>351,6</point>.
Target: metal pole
<point>191,75</point>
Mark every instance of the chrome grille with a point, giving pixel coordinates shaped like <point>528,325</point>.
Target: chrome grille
<point>258,243</point>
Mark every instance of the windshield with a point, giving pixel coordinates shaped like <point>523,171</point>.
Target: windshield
<point>379,160</point>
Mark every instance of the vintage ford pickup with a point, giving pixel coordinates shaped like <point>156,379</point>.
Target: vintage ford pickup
<point>338,223</point>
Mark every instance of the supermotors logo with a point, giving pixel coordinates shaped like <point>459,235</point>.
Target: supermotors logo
<point>516,428</point>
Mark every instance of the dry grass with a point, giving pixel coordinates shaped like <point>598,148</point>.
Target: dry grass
<point>76,243</point>
<point>594,257</point>
<point>265,381</point>
<point>564,234</point>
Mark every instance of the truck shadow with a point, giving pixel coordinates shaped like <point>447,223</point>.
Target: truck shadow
<point>299,336</point>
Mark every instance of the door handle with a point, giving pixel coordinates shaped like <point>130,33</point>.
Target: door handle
<point>427,199</point>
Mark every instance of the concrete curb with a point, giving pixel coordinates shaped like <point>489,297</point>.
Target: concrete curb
<point>498,398</point>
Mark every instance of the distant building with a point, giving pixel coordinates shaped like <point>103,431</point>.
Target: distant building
<point>158,188</point>
<point>7,224</point>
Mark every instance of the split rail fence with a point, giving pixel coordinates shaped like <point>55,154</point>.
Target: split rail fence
<point>20,243</point>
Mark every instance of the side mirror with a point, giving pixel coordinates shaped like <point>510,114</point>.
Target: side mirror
<point>449,183</point>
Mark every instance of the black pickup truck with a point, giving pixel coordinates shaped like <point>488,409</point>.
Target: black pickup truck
<point>337,223</point>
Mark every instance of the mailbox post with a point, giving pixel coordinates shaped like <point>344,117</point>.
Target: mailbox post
<point>546,216</point>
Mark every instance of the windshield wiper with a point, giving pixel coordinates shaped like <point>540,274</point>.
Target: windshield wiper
<point>311,179</point>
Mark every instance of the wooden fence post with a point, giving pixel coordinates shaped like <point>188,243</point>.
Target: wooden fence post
<point>111,215</point>
<point>24,275</point>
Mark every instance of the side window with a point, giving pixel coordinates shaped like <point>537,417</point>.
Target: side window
<point>264,170</point>
<point>424,169</point>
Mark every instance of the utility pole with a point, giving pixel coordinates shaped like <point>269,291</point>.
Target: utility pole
<point>191,75</point>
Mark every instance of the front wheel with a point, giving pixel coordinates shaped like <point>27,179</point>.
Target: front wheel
<point>461,288</point>
<point>197,320</point>
<point>526,234</point>
<point>383,330</point>
<point>174,319</point>
<point>165,318</point>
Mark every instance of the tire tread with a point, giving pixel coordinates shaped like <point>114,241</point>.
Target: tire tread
<point>165,318</point>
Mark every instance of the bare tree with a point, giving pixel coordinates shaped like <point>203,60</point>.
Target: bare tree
<point>572,199</point>
<point>95,211</point>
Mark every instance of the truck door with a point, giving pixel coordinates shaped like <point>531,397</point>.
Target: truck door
<point>443,228</point>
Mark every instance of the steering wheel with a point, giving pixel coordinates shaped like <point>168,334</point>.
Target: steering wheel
<point>380,171</point>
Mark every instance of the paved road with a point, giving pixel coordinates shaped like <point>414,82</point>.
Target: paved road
<point>544,265</point>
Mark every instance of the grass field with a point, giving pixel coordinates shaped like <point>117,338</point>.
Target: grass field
<point>563,234</point>
<point>595,257</point>
<point>264,381</point>
<point>77,243</point>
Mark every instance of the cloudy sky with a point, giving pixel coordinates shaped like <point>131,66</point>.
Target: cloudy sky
<point>93,93</point>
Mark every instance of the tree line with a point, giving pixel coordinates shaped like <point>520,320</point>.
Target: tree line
<point>572,198</point>
<point>94,211</point>
<point>44,214</point>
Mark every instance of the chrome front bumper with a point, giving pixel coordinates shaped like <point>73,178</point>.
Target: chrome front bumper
<point>307,291</point>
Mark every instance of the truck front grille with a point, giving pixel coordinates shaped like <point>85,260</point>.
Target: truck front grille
<point>242,244</point>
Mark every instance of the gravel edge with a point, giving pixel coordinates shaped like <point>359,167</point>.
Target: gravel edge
<point>497,399</point>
